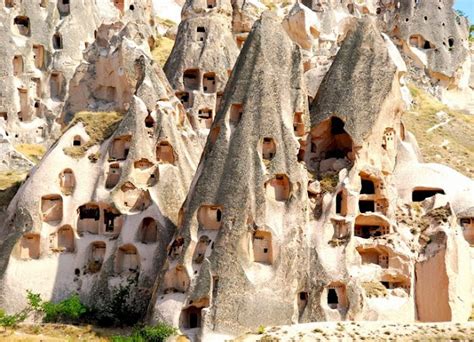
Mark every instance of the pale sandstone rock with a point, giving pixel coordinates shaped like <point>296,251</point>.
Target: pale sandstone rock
<point>11,159</point>
<point>301,24</point>
<point>234,220</point>
<point>201,60</point>
<point>132,184</point>
<point>292,215</point>
<point>42,44</point>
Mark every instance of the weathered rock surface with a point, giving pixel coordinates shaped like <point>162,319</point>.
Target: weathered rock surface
<point>11,159</point>
<point>434,35</point>
<point>357,249</point>
<point>234,222</point>
<point>89,222</point>
<point>43,43</point>
<point>201,60</point>
<point>310,202</point>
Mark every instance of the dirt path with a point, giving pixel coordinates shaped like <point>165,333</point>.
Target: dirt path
<point>370,331</point>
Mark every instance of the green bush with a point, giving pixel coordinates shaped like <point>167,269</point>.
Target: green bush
<point>70,309</point>
<point>67,310</point>
<point>11,320</point>
<point>157,333</point>
<point>34,304</point>
<point>34,300</point>
<point>121,307</point>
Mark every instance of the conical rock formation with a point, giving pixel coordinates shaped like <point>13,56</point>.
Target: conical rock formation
<point>239,253</point>
<point>96,215</point>
<point>358,137</point>
<point>201,60</point>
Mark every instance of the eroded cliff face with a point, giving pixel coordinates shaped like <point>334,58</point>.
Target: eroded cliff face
<point>235,256</point>
<point>355,242</point>
<point>202,58</point>
<point>43,43</point>
<point>96,214</point>
<point>433,35</point>
<point>270,182</point>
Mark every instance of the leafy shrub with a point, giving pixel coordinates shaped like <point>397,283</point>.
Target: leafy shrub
<point>67,310</point>
<point>121,307</point>
<point>157,333</point>
<point>11,320</point>
<point>34,304</point>
<point>34,300</point>
<point>70,309</point>
<point>261,330</point>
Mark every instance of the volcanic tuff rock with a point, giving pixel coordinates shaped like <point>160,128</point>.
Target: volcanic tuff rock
<point>93,215</point>
<point>356,87</point>
<point>201,60</point>
<point>245,13</point>
<point>44,41</point>
<point>311,201</point>
<point>243,223</point>
<point>42,44</point>
<point>107,79</point>
<point>434,35</point>
<point>12,160</point>
<point>248,189</point>
<point>301,24</point>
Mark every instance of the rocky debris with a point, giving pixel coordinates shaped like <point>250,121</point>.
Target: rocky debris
<point>362,331</point>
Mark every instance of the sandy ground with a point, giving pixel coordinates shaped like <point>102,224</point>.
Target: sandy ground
<point>369,331</point>
<point>321,331</point>
<point>59,332</point>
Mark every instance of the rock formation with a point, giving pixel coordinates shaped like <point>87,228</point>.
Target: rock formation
<point>264,177</point>
<point>434,36</point>
<point>95,214</point>
<point>43,43</point>
<point>245,13</point>
<point>248,189</point>
<point>202,58</point>
<point>12,160</point>
<point>332,247</point>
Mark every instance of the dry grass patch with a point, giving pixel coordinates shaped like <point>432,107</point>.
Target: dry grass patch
<point>33,151</point>
<point>329,183</point>
<point>9,178</point>
<point>162,50</point>
<point>164,22</point>
<point>374,289</point>
<point>10,181</point>
<point>99,126</point>
<point>448,144</point>
<point>59,332</point>
<point>273,5</point>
